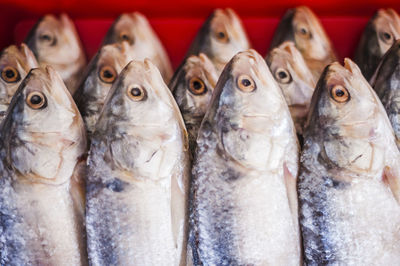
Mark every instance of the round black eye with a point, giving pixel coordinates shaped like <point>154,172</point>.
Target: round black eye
<point>221,35</point>
<point>125,37</point>
<point>36,100</point>
<point>282,76</point>
<point>246,83</point>
<point>197,86</point>
<point>136,93</point>
<point>340,94</point>
<point>10,74</point>
<point>303,31</point>
<point>107,74</point>
<point>45,37</point>
<point>386,37</point>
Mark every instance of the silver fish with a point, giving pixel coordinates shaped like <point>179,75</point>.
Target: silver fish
<point>221,36</point>
<point>349,184</point>
<point>192,86</point>
<point>55,42</point>
<point>380,33</point>
<point>15,63</point>
<point>243,208</point>
<point>295,79</point>
<point>42,151</point>
<point>137,183</point>
<point>100,74</point>
<point>386,83</point>
<point>135,29</point>
<point>301,26</point>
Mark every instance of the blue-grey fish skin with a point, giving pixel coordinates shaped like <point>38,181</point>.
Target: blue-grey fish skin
<point>386,83</point>
<point>137,182</point>
<point>42,146</point>
<point>243,206</point>
<point>349,176</point>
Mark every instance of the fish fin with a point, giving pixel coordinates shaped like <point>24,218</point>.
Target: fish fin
<point>291,190</point>
<point>391,177</point>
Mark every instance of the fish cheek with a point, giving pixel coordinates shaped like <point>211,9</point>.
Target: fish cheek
<point>248,148</point>
<point>122,152</point>
<point>350,153</point>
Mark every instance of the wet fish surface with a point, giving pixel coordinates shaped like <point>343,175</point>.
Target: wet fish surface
<point>243,206</point>
<point>99,76</point>
<point>294,78</point>
<point>42,150</point>
<point>380,33</point>
<point>192,87</point>
<point>220,37</point>
<point>301,26</point>
<point>137,184</point>
<point>55,42</point>
<point>15,63</point>
<point>349,189</point>
<point>135,29</point>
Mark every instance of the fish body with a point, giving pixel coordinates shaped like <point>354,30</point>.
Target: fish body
<point>349,186</point>
<point>192,87</point>
<point>100,74</point>
<point>381,32</point>
<point>55,42</point>
<point>135,29</point>
<point>220,37</point>
<point>137,183</point>
<point>294,78</point>
<point>386,83</point>
<point>42,175</point>
<point>15,63</point>
<point>243,207</point>
<point>301,26</point>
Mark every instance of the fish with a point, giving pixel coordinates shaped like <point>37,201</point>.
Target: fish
<point>294,78</point>
<point>192,86</point>
<point>138,174</point>
<point>55,42</point>
<point>42,166</point>
<point>220,37</point>
<point>243,199</point>
<point>385,82</point>
<point>349,183</point>
<point>301,26</point>
<point>135,29</point>
<point>380,33</point>
<point>101,73</point>
<point>15,63</point>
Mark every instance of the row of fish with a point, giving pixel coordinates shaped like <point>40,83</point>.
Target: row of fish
<point>208,169</point>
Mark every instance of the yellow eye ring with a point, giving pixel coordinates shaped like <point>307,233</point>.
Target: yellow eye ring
<point>36,100</point>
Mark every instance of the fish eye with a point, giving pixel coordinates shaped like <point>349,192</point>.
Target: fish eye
<point>47,38</point>
<point>197,86</point>
<point>340,94</point>
<point>10,74</point>
<point>283,76</point>
<point>124,36</point>
<point>222,36</point>
<point>386,37</point>
<point>246,83</point>
<point>136,93</point>
<point>36,100</point>
<point>107,74</point>
<point>304,31</point>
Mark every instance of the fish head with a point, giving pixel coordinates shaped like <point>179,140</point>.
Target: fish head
<point>54,41</point>
<point>248,111</point>
<point>348,119</point>
<point>221,37</point>
<point>386,24</point>
<point>193,85</point>
<point>294,77</point>
<point>15,63</point>
<point>101,73</point>
<point>141,116</point>
<point>43,131</point>
<point>302,26</point>
<point>135,29</point>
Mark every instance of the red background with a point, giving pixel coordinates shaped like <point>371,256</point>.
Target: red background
<point>177,22</point>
